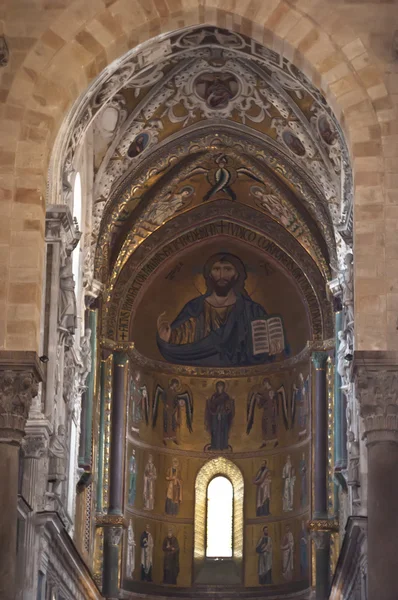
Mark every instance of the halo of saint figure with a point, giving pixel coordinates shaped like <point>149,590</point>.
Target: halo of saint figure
<point>223,327</point>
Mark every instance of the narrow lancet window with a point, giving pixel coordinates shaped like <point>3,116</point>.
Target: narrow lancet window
<point>219,518</point>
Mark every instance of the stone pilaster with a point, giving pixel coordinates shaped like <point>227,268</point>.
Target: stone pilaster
<point>20,374</point>
<point>376,378</point>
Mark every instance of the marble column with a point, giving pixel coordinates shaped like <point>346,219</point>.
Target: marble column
<point>20,374</point>
<point>112,529</point>
<point>321,435</point>
<point>376,380</point>
<point>322,567</point>
<point>117,434</point>
<point>320,509</point>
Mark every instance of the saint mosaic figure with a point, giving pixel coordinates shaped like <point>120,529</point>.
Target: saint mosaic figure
<point>139,400</point>
<point>130,558</point>
<point>174,488</point>
<point>262,481</point>
<point>174,402</point>
<point>146,544</point>
<point>266,399</point>
<point>301,404</point>
<point>171,560</point>
<point>303,551</point>
<point>132,479</point>
<point>150,476</point>
<point>304,482</point>
<point>264,551</point>
<point>287,548</point>
<point>223,327</point>
<point>219,415</point>
<point>289,479</point>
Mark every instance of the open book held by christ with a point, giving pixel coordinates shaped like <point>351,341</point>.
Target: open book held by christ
<point>223,327</point>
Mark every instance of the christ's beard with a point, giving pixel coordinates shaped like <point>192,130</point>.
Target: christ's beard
<point>222,287</point>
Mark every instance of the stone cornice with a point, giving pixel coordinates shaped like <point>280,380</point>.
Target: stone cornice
<point>376,378</point>
<point>20,374</point>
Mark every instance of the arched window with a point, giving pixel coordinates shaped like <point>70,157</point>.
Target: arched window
<point>219,518</point>
<point>219,491</point>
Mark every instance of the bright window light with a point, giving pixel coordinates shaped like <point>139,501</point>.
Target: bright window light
<point>219,518</point>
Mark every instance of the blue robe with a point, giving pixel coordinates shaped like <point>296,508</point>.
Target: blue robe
<point>229,345</point>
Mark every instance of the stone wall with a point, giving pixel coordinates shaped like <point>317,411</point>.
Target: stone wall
<point>57,48</point>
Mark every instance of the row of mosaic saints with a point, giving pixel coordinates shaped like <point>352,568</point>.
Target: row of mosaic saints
<point>220,410</point>
<point>264,550</point>
<point>262,480</point>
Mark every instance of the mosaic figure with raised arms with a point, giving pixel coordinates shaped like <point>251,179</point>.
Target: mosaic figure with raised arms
<point>264,551</point>
<point>219,415</point>
<point>175,402</point>
<point>223,327</point>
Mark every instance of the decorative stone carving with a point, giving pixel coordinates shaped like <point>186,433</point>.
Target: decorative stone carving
<point>4,52</point>
<point>58,457</point>
<point>34,446</point>
<point>17,388</point>
<point>67,303</point>
<point>115,535</point>
<point>85,357</point>
<point>377,392</point>
<point>321,539</point>
<point>353,476</point>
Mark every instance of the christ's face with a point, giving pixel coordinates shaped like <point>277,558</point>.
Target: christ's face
<point>224,276</point>
<point>220,388</point>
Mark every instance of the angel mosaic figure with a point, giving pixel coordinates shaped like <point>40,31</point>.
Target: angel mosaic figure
<point>174,402</point>
<point>268,400</point>
<point>139,400</point>
<point>300,403</point>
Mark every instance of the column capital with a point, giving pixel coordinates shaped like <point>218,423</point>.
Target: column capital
<point>319,359</point>
<point>376,383</point>
<point>321,539</point>
<point>20,374</point>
